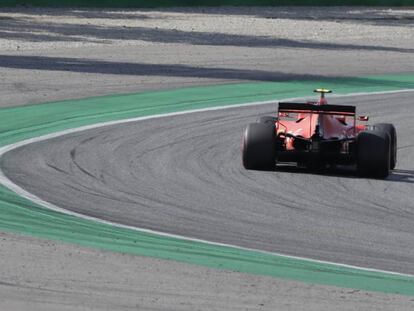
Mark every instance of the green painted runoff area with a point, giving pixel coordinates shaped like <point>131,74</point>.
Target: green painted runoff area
<point>189,3</point>
<point>20,215</point>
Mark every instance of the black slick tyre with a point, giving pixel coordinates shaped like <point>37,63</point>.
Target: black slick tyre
<point>259,148</point>
<point>373,154</point>
<point>390,129</point>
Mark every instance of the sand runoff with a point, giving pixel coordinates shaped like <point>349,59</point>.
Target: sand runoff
<point>57,54</point>
<point>28,29</point>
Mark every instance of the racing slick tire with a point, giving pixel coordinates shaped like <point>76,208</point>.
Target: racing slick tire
<point>373,154</point>
<point>259,147</point>
<point>268,120</point>
<point>390,129</point>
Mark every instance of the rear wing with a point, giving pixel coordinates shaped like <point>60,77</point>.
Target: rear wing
<point>321,109</point>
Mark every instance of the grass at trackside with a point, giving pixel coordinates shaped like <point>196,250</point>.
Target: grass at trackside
<point>23,216</point>
<point>190,3</point>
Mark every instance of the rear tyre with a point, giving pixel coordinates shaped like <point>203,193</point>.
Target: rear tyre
<point>390,129</point>
<point>259,147</point>
<point>373,154</point>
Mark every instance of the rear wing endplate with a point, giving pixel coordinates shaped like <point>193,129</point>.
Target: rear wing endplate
<point>322,109</point>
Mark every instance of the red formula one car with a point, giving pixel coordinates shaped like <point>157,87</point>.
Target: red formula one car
<point>315,135</point>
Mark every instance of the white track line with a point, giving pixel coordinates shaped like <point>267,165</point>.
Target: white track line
<point>25,194</point>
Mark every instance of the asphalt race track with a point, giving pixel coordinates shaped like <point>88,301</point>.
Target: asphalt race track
<point>183,175</point>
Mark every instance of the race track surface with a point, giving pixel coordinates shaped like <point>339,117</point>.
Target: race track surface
<point>183,175</point>
<point>56,54</point>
